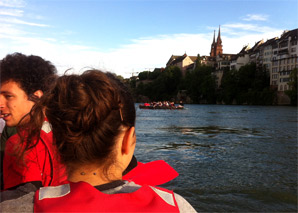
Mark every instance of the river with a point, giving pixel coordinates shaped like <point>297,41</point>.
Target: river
<point>229,158</point>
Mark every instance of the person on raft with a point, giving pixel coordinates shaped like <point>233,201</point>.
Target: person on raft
<point>93,123</point>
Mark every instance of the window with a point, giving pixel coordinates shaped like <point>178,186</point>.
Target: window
<point>280,88</point>
<point>285,88</point>
<point>284,44</point>
<point>285,79</point>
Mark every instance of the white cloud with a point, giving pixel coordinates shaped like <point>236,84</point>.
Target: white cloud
<point>9,31</point>
<point>138,56</point>
<point>255,17</point>
<point>240,27</point>
<point>236,35</point>
<point>18,21</point>
<point>11,12</point>
<point>12,3</point>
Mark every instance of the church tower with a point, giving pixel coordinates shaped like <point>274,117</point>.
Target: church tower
<point>216,47</point>
<point>213,45</point>
<point>218,44</point>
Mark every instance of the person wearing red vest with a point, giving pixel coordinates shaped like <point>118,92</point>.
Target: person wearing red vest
<point>24,79</point>
<point>40,163</point>
<point>93,123</point>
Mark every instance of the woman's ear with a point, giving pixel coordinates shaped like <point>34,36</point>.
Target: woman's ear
<point>38,93</point>
<point>129,141</point>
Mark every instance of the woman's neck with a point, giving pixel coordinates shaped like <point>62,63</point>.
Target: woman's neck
<point>94,176</point>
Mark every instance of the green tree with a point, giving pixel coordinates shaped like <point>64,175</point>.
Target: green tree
<point>164,87</point>
<point>143,75</point>
<point>153,75</point>
<point>200,84</point>
<point>229,86</point>
<point>292,92</point>
<point>249,85</point>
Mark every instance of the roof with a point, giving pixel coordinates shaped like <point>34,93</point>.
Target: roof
<point>172,59</point>
<point>243,51</point>
<point>286,34</point>
<point>176,59</point>
<point>256,46</point>
<point>271,41</point>
<point>193,58</point>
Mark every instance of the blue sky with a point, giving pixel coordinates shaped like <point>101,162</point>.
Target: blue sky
<point>125,36</point>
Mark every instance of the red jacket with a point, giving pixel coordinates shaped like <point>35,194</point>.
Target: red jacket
<point>152,173</point>
<point>82,197</point>
<point>39,164</point>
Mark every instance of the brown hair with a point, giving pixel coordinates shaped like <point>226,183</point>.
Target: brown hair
<point>86,113</point>
<point>30,72</point>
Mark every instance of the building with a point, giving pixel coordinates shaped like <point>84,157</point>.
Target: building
<point>240,59</point>
<point>267,59</point>
<point>254,52</point>
<point>183,62</point>
<point>216,47</point>
<point>217,58</point>
<point>279,56</point>
<point>284,59</point>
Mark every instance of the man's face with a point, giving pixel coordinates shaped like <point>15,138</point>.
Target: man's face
<point>14,103</point>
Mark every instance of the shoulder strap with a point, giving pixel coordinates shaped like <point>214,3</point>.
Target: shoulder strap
<point>45,129</point>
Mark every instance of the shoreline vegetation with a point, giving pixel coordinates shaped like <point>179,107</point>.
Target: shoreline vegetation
<point>248,86</point>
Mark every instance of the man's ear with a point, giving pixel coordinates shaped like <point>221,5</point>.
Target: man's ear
<point>129,141</point>
<point>38,93</point>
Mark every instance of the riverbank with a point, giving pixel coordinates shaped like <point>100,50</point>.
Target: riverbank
<point>281,99</point>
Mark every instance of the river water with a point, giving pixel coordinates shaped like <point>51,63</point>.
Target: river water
<point>229,158</point>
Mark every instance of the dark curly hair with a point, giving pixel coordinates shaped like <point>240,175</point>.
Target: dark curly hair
<point>31,72</point>
<point>87,113</point>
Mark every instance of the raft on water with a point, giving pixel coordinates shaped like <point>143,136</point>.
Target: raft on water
<point>142,106</point>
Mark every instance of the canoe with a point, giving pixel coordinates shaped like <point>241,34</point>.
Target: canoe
<point>160,107</point>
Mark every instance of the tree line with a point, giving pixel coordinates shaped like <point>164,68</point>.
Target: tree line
<point>249,85</point>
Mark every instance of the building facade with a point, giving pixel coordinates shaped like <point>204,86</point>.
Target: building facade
<point>216,47</point>
<point>284,59</point>
<point>183,62</point>
<point>279,56</point>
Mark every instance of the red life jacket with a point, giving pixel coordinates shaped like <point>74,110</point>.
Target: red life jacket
<point>82,197</point>
<point>40,162</point>
<point>152,173</point>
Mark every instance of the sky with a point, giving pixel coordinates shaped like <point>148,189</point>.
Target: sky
<point>130,36</point>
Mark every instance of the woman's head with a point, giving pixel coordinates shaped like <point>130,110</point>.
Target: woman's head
<point>88,112</point>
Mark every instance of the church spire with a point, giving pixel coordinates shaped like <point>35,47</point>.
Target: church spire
<point>218,48</point>
<point>218,37</point>
<point>213,47</point>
